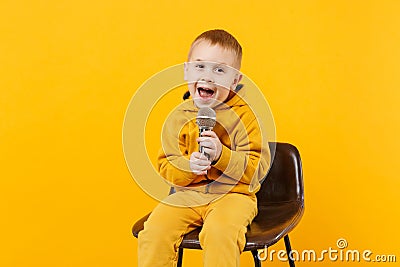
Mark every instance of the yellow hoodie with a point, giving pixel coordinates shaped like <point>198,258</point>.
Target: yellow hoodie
<point>244,160</point>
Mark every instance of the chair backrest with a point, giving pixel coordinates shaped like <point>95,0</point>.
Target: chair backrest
<point>284,181</point>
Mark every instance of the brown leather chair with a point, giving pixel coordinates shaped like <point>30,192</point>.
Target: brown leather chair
<point>280,206</point>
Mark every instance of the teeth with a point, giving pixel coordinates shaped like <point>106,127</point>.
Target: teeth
<point>205,92</point>
<point>206,89</point>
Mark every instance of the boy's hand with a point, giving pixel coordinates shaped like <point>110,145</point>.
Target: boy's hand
<point>211,144</point>
<point>199,163</point>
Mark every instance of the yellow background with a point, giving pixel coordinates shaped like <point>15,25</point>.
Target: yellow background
<point>329,69</point>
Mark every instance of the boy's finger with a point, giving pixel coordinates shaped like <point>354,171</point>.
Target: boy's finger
<point>202,139</point>
<point>201,157</point>
<point>198,168</point>
<point>202,163</point>
<point>209,133</point>
<point>197,155</point>
<point>207,144</point>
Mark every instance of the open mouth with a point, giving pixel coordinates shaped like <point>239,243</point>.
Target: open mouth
<point>205,92</point>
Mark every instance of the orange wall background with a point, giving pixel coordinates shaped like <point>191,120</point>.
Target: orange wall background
<point>68,69</point>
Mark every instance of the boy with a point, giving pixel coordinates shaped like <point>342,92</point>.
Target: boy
<point>215,189</point>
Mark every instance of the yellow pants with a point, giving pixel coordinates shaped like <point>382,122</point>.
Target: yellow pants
<point>222,238</point>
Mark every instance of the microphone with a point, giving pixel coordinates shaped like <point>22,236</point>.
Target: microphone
<point>206,120</point>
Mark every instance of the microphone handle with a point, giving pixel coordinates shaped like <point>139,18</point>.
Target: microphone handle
<point>201,130</point>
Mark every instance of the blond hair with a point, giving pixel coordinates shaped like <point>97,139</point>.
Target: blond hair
<point>221,38</point>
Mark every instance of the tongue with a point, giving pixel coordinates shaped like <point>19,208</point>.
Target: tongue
<point>205,93</point>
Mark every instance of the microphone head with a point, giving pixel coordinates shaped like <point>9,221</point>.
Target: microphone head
<point>206,118</point>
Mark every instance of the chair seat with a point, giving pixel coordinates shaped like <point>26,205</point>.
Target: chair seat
<point>273,221</point>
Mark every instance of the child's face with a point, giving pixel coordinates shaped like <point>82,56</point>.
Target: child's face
<point>211,73</point>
